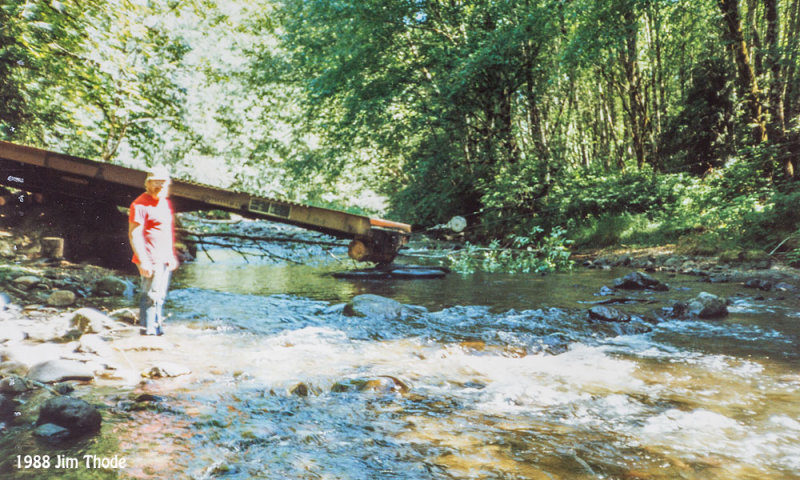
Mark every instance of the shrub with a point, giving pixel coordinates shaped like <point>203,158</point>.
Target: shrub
<point>526,254</point>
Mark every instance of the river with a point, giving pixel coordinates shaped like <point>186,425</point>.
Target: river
<point>493,376</point>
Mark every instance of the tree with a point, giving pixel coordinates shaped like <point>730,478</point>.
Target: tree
<point>92,74</point>
<point>747,81</point>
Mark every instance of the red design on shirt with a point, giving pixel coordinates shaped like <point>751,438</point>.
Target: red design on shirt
<point>155,215</point>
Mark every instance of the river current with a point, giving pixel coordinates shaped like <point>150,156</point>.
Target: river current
<point>488,376</point>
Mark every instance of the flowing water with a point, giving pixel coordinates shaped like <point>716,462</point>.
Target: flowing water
<point>495,376</point>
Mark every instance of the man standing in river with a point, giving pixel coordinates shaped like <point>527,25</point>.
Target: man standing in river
<point>152,236</point>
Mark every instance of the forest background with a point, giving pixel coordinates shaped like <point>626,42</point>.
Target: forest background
<point>638,122</point>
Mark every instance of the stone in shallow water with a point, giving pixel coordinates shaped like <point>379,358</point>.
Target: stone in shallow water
<point>707,305</point>
<point>14,384</point>
<point>52,433</point>
<point>114,286</point>
<point>303,390</point>
<point>27,281</point>
<point>375,306</point>
<point>166,369</point>
<point>74,414</point>
<point>61,298</point>
<point>369,305</point>
<point>90,320</point>
<point>59,370</point>
<point>639,281</point>
<point>608,314</point>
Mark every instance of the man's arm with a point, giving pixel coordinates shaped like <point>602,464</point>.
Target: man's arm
<point>136,237</point>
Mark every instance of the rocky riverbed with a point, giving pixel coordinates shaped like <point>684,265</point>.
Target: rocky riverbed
<point>68,330</point>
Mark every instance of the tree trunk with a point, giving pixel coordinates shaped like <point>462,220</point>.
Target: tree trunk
<point>508,141</point>
<point>657,84</point>
<point>637,105</point>
<point>776,126</point>
<point>753,37</point>
<point>748,83</point>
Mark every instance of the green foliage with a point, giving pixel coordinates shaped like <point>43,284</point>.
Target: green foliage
<point>705,244</point>
<point>90,75</point>
<point>793,255</point>
<point>730,206</point>
<point>531,253</point>
<point>619,120</point>
<point>700,136</point>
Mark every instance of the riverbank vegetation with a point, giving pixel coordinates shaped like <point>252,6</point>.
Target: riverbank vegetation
<point>637,122</point>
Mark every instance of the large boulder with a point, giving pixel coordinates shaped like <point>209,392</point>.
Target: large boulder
<point>639,281</point>
<point>74,414</point>
<point>59,370</point>
<point>707,305</point>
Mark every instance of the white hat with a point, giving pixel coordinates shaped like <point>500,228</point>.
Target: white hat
<point>158,172</point>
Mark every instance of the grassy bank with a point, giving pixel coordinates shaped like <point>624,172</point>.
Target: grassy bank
<point>730,213</point>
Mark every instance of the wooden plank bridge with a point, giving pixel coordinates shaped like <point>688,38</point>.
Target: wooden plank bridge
<point>40,171</point>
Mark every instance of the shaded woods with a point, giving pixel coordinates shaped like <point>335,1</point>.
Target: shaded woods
<point>637,121</point>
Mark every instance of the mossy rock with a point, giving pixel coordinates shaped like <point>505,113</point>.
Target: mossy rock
<point>754,256</point>
<point>730,256</point>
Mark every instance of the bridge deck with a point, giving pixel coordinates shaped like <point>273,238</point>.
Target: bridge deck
<point>36,170</point>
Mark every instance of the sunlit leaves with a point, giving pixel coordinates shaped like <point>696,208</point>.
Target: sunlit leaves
<point>93,73</point>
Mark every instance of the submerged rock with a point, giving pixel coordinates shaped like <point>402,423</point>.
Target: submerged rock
<point>761,284</point>
<point>369,305</point>
<point>52,433</point>
<point>608,314</point>
<point>385,384</point>
<point>380,384</point>
<point>74,414</point>
<point>639,281</point>
<point>303,390</point>
<point>605,291</point>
